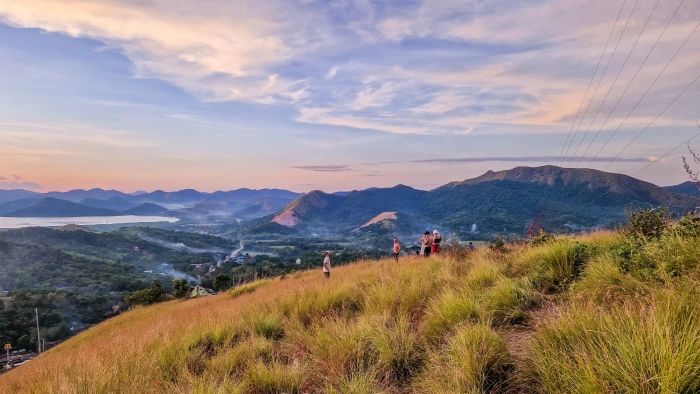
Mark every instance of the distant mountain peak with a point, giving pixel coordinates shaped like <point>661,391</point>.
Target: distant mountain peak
<point>54,207</point>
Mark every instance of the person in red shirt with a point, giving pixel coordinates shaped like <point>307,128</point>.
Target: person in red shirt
<point>437,238</point>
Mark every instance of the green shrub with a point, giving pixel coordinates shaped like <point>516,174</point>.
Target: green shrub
<point>360,383</point>
<point>222,282</point>
<point>268,325</point>
<point>558,263</point>
<point>274,378</point>
<point>542,239</point>
<point>307,308</point>
<point>180,288</point>
<point>626,349</point>
<point>509,300</point>
<point>399,352</point>
<point>447,311</point>
<point>248,287</point>
<point>647,223</point>
<point>604,283</point>
<point>474,361</point>
<point>345,347</point>
<point>498,244</point>
<point>153,295</point>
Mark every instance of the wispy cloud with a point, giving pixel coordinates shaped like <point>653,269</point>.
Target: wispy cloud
<point>427,67</point>
<point>18,182</point>
<point>324,168</point>
<point>465,160</point>
<point>332,72</point>
<point>533,159</point>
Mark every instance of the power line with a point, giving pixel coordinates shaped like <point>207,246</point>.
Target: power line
<point>651,163</point>
<point>638,135</point>
<point>589,85</point>
<point>668,153</point>
<point>630,83</point>
<point>648,89</point>
<point>626,88</point>
<point>581,207</point>
<point>601,80</point>
<point>613,85</point>
<point>652,122</point>
<point>600,59</point>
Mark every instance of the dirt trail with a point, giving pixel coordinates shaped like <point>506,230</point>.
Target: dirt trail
<point>519,338</point>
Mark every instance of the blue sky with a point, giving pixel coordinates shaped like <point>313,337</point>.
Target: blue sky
<point>336,95</point>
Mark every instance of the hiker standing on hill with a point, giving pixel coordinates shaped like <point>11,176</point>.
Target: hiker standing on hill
<point>437,238</point>
<point>327,265</point>
<point>427,244</point>
<point>397,249</point>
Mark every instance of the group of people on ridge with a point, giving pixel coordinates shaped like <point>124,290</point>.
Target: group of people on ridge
<point>430,244</point>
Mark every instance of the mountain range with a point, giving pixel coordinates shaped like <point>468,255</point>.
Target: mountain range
<point>189,204</point>
<point>505,201</point>
<point>510,201</point>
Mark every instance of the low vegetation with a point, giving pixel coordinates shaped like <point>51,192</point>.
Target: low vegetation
<point>603,312</point>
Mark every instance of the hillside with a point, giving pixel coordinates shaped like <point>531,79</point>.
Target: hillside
<point>76,277</point>
<point>190,204</point>
<point>688,188</point>
<point>114,203</point>
<point>145,209</point>
<point>558,199</point>
<point>538,319</point>
<point>53,207</point>
<point>16,194</point>
<point>14,205</point>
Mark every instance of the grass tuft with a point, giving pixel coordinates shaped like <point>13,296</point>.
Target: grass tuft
<point>248,287</point>
<point>474,361</point>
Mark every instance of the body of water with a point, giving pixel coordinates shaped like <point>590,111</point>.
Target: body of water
<point>6,222</point>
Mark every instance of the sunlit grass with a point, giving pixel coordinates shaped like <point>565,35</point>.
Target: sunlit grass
<point>625,319</point>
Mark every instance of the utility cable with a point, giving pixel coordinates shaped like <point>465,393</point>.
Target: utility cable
<point>601,80</point>
<point>648,89</point>
<point>613,85</point>
<point>630,84</point>
<point>589,85</point>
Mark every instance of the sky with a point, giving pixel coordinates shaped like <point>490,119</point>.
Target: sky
<point>341,95</point>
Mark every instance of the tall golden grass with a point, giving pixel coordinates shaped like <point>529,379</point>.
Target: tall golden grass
<point>436,325</point>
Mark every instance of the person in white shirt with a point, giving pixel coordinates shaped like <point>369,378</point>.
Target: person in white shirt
<point>327,265</point>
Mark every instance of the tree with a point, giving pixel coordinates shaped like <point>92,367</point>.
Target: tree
<point>498,245</point>
<point>180,288</point>
<point>148,296</point>
<point>222,282</point>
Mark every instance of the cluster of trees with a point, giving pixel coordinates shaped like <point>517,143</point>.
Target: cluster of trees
<point>93,271</point>
<point>180,289</point>
<point>61,314</point>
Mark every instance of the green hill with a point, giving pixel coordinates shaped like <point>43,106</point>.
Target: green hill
<point>115,203</point>
<point>604,312</point>
<point>146,209</point>
<point>14,205</point>
<point>688,188</point>
<point>558,199</point>
<point>78,276</point>
<point>53,207</point>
